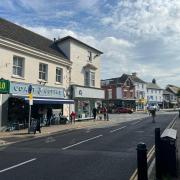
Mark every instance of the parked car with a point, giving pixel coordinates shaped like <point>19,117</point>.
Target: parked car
<point>124,110</point>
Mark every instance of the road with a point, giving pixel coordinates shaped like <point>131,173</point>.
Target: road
<point>107,153</point>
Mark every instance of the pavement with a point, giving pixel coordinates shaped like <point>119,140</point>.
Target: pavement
<point>21,135</point>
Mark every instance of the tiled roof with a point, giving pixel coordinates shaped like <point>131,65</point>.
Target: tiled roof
<point>136,79</point>
<point>19,34</point>
<point>172,88</point>
<point>152,86</point>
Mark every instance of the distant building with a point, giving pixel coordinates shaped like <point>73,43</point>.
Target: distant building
<point>154,94</point>
<point>169,99</point>
<point>126,91</point>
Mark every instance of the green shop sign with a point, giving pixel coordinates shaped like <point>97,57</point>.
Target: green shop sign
<point>4,86</point>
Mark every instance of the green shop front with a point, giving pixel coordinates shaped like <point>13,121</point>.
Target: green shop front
<point>44,97</point>
<point>86,98</point>
<point>4,93</point>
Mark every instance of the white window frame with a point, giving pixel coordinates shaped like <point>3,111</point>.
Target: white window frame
<point>59,77</point>
<point>89,78</point>
<point>17,67</point>
<point>43,71</point>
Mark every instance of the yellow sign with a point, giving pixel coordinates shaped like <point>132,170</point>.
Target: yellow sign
<point>30,96</point>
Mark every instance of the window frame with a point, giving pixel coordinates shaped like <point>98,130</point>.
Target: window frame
<point>17,67</point>
<point>59,75</point>
<point>42,72</point>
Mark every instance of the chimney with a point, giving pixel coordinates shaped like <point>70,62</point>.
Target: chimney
<point>134,74</point>
<point>154,81</point>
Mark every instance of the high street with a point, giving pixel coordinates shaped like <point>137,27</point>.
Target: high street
<point>107,152</point>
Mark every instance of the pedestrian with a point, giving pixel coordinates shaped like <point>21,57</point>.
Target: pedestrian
<point>49,115</point>
<point>94,111</point>
<point>153,113</point>
<point>73,116</point>
<point>37,125</point>
<point>105,113</point>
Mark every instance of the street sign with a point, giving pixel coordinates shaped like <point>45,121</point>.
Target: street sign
<point>4,86</point>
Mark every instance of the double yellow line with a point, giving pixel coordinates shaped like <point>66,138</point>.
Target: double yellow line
<point>152,151</point>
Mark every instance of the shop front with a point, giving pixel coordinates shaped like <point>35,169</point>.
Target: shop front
<point>44,98</point>
<point>86,99</point>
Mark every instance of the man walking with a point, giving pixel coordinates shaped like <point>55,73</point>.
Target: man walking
<point>94,111</point>
<point>153,113</point>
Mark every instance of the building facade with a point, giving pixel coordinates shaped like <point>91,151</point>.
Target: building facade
<point>85,75</point>
<point>154,94</point>
<point>57,71</point>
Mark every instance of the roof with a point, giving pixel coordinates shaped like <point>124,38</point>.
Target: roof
<point>19,34</point>
<point>70,37</point>
<point>167,92</point>
<point>152,86</point>
<point>172,88</point>
<point>136,79</point>
<point>123,79</point>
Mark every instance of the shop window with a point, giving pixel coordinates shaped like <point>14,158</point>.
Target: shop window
<point>18,66</point>
<point>59,75</point>
<point>43,71</point>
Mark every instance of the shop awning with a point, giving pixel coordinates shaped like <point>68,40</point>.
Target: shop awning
<point>46,100</point>
<point>37,100</point>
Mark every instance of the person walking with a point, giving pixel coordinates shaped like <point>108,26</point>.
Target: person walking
<point>73,116</point>
<point>49,116</point>
<point>105,113</point>
<point>94,111</point>
<point>153,113</point>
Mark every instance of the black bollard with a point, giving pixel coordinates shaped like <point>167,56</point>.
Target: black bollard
<point>142,161</point>
<point>158,153</point>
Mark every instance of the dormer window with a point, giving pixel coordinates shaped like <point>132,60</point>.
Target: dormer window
<point>89,56</point>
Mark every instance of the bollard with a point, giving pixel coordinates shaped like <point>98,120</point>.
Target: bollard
<point>157,153</point>
<point>142,161</point>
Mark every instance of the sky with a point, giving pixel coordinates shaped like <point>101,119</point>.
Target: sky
<point>141,36</point>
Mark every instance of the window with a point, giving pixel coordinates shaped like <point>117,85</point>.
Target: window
<point>92,79</point>
<point>89,78</point>
<point>18,66</point>
<point>89,56</point>
<point>59,75</point>
<point>142,86</point>
<point>43,71</point>
<point>109,93</point>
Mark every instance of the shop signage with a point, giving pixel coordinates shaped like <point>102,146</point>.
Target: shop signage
<point>21,89</point>
<point>4,86</point>
<point>88,92</point>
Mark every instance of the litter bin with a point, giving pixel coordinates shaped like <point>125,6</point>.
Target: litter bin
<point>168,150</point>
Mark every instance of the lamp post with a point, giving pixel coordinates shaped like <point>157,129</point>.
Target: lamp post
<point>30,103</point>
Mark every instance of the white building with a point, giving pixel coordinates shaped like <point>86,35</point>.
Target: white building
<point>154,94</point>
<point>85,75</point>
<point>50,67</point>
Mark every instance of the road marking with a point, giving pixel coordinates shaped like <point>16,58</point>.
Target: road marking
<point>17,165</point>
<point>136,122</point>
<point>118,129</point>
<point>82,142</point>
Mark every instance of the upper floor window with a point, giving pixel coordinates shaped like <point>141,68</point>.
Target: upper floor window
<point>92,78</point>
<point>142,86</point>
<point>59,75</point>
<point>43,71</point>
<point>89,78</point>
<point>109,93</point>
<point>89,56</point>
<point>18,66</point>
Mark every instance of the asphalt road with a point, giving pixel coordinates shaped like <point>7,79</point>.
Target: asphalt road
<point>107,153</point>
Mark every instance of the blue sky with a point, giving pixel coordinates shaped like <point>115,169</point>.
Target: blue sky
<point>135,35</point>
